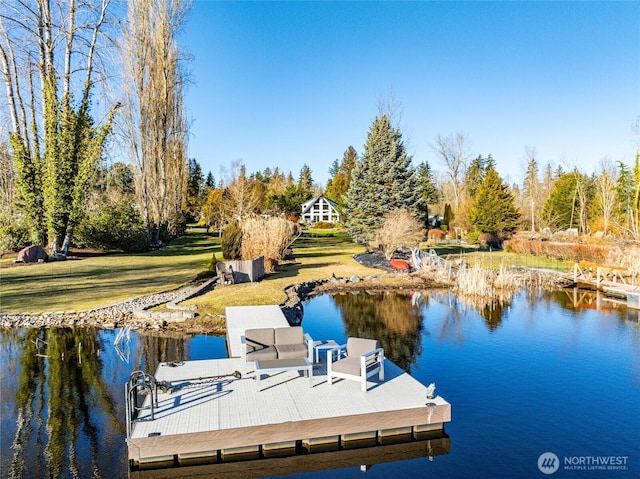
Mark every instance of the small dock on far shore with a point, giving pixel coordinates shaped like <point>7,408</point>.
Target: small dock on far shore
<point>611,280</point>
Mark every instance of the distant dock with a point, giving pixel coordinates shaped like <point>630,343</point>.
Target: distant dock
<point>207,415</point>
<point>611,280</point>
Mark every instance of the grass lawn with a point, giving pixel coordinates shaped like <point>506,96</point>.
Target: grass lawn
<point>496,259</point>
<point>315,258</point>
<point>103,280</point>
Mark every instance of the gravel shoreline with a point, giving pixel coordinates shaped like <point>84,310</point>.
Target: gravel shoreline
<point>133,313</point>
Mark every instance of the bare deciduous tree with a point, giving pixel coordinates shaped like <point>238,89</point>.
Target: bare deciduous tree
<point>155,119</point>
<point>453,151</point>
<point>240,198</point>
<point>606,196</point>
<point>7,181</point>
<point>48,54</point>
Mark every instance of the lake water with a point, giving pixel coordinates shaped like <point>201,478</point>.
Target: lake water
<point>532,376</point>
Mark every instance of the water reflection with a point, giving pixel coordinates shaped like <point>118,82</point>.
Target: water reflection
<point>395,318</point>
<point>391,318</point>
<point>162,348</point>
<point>63,387</point>
<point>58,388</point>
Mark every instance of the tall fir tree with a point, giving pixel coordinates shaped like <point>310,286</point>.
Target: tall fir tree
<point>428,190</point>
<point>382,181</point>
<point>494,209</point>
<point>305,180</point>
<point>338,184</point>
<point>474,175</point>
<point>560,209</point>
<point>210,182</point>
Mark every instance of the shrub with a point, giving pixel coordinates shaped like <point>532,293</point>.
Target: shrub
<point>489,240</point>
<point>267,237</point>
<point>116,226</point>
<point>472,237</point>
<point>436,235</point>
<point>324,225</point>
<point>13,235</point>
<point>560,250</point>
<point>400,230</point>
<point>231,241</point>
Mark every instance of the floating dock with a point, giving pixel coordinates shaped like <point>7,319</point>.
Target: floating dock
<point>436,444</point>
<point>228,419</point>
<point>206,413</point>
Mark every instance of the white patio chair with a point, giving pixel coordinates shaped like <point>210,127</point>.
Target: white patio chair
<point>357,360</point>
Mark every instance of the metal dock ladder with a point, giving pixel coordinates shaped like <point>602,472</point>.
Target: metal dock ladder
<point>139,384</point>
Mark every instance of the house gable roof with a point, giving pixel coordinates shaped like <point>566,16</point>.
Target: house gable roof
<point>307,206</point>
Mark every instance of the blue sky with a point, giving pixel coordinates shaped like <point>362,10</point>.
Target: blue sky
<point>283,84</point>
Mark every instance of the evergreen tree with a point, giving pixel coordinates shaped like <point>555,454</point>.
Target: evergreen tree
<point>474,175</point>
<point>291,200</point>
<point>231,241</point>
<point>448,216</point>
<point>382,181</point>
<point>338,185</point>
<point>334,168</point>
<point>195,190</point>
<point>428,189</point>
<point>494,209</point>
<point>560,209</point>
<point>305,181</point>
<point>210,182</point>
<point>195,185</point>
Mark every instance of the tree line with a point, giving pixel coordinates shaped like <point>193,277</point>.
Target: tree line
<point>59,187</point>
<point>55,55</point>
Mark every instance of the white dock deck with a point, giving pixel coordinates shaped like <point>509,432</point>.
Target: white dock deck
<point>197,419</point>
<point>241,318</point>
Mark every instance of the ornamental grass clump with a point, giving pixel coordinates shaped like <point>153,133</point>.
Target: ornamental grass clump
<point>267,237</point>
<point>475,281</point>
<point>626,256</point>
<point>485,283</point>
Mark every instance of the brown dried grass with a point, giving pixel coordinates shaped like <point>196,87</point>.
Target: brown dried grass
<point>267,237</point>
<point>577,252</point>
<point>479,282</point>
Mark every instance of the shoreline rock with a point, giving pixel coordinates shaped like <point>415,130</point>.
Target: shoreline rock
<point>133,313</point>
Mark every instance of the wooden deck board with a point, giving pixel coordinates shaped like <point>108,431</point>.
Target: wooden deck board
<point>233,413</point>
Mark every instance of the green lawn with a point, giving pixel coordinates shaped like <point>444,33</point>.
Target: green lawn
<point>104,280</point>
<point>79,284</point>
<point>497,259</point>
<point>315,258</point>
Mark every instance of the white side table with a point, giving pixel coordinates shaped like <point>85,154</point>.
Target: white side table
<point>323,346</point>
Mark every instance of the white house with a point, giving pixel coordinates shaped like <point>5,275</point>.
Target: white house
<point>320,209</point>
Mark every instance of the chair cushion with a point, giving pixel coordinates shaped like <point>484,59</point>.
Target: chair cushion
<point>356,347</point>
<point>261,354</point>
<point>291,335</point>
<point>288,351</point>
<point>350,365</point>
<point>259,338</point>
